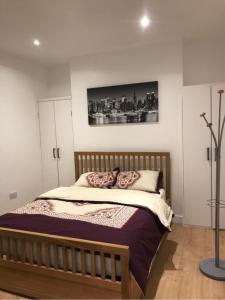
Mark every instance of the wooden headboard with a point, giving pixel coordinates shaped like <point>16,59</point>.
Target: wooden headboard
<point>107,161</point>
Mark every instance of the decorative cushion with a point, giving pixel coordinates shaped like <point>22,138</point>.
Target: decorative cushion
<point>143,180</point>
<point>98,179</point>
<point>126,179</point>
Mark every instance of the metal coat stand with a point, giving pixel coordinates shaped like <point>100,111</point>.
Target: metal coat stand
<point>215,267</point>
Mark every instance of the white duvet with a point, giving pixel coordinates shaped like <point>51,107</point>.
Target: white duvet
<point>127,197</point>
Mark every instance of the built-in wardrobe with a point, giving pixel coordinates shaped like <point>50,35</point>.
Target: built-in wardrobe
<point>56,139</point>
<point>199,155</point>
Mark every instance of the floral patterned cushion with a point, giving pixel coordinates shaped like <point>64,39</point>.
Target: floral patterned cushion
<point>126,179</point>
<point>100,179</point>
<point>143,180</point>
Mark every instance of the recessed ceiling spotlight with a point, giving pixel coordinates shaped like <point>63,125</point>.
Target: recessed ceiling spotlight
<point>145,21</point>
<point>36,42</point>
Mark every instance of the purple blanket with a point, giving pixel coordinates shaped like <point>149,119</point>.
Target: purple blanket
<point>142,233</point>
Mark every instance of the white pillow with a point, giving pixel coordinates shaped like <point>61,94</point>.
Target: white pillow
<point>82,180</point>
<point>143,180</point>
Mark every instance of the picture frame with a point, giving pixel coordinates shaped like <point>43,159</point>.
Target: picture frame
<point>123,104</point>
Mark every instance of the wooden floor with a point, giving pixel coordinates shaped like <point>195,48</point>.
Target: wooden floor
<point>176,274</point>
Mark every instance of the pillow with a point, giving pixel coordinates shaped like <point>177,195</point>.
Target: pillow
<point>143,180</point>
<point>98,179</point>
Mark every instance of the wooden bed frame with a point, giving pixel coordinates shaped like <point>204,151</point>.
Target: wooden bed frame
<point>30,262</point>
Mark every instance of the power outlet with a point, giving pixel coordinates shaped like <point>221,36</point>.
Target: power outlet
<point>13,195</point>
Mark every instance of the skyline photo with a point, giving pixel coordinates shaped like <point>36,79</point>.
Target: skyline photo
<point>129,103</point>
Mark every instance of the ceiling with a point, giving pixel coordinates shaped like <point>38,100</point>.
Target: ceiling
<point>68,28</point>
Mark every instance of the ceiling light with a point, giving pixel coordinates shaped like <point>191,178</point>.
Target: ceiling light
<point>144,22</point>
<point>36,42</point>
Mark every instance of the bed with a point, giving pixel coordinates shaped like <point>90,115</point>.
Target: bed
<point>49,262</point>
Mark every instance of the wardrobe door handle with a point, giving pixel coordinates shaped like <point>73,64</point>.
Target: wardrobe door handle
<point>208,155</point>
<point>53,153</point>
<point>58,155</point>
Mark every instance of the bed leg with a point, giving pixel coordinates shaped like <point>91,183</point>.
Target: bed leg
<point>125,276</point>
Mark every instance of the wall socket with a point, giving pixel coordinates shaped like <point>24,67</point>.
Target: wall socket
<point>13,195</point>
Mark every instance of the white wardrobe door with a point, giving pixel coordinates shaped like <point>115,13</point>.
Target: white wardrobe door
<point>64,133</point>
<point>215,108</point>
<point>197,169</point>
<point>48,143</point>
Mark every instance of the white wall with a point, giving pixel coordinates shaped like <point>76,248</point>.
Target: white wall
<point>59,84</point>
<point>162,62</point>
<point>204,61</point>
<point>21,84</point>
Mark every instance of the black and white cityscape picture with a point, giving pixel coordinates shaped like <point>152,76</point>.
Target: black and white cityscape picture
<point>129,103</point>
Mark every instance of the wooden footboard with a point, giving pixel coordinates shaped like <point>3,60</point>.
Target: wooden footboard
<point>46,266</point>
